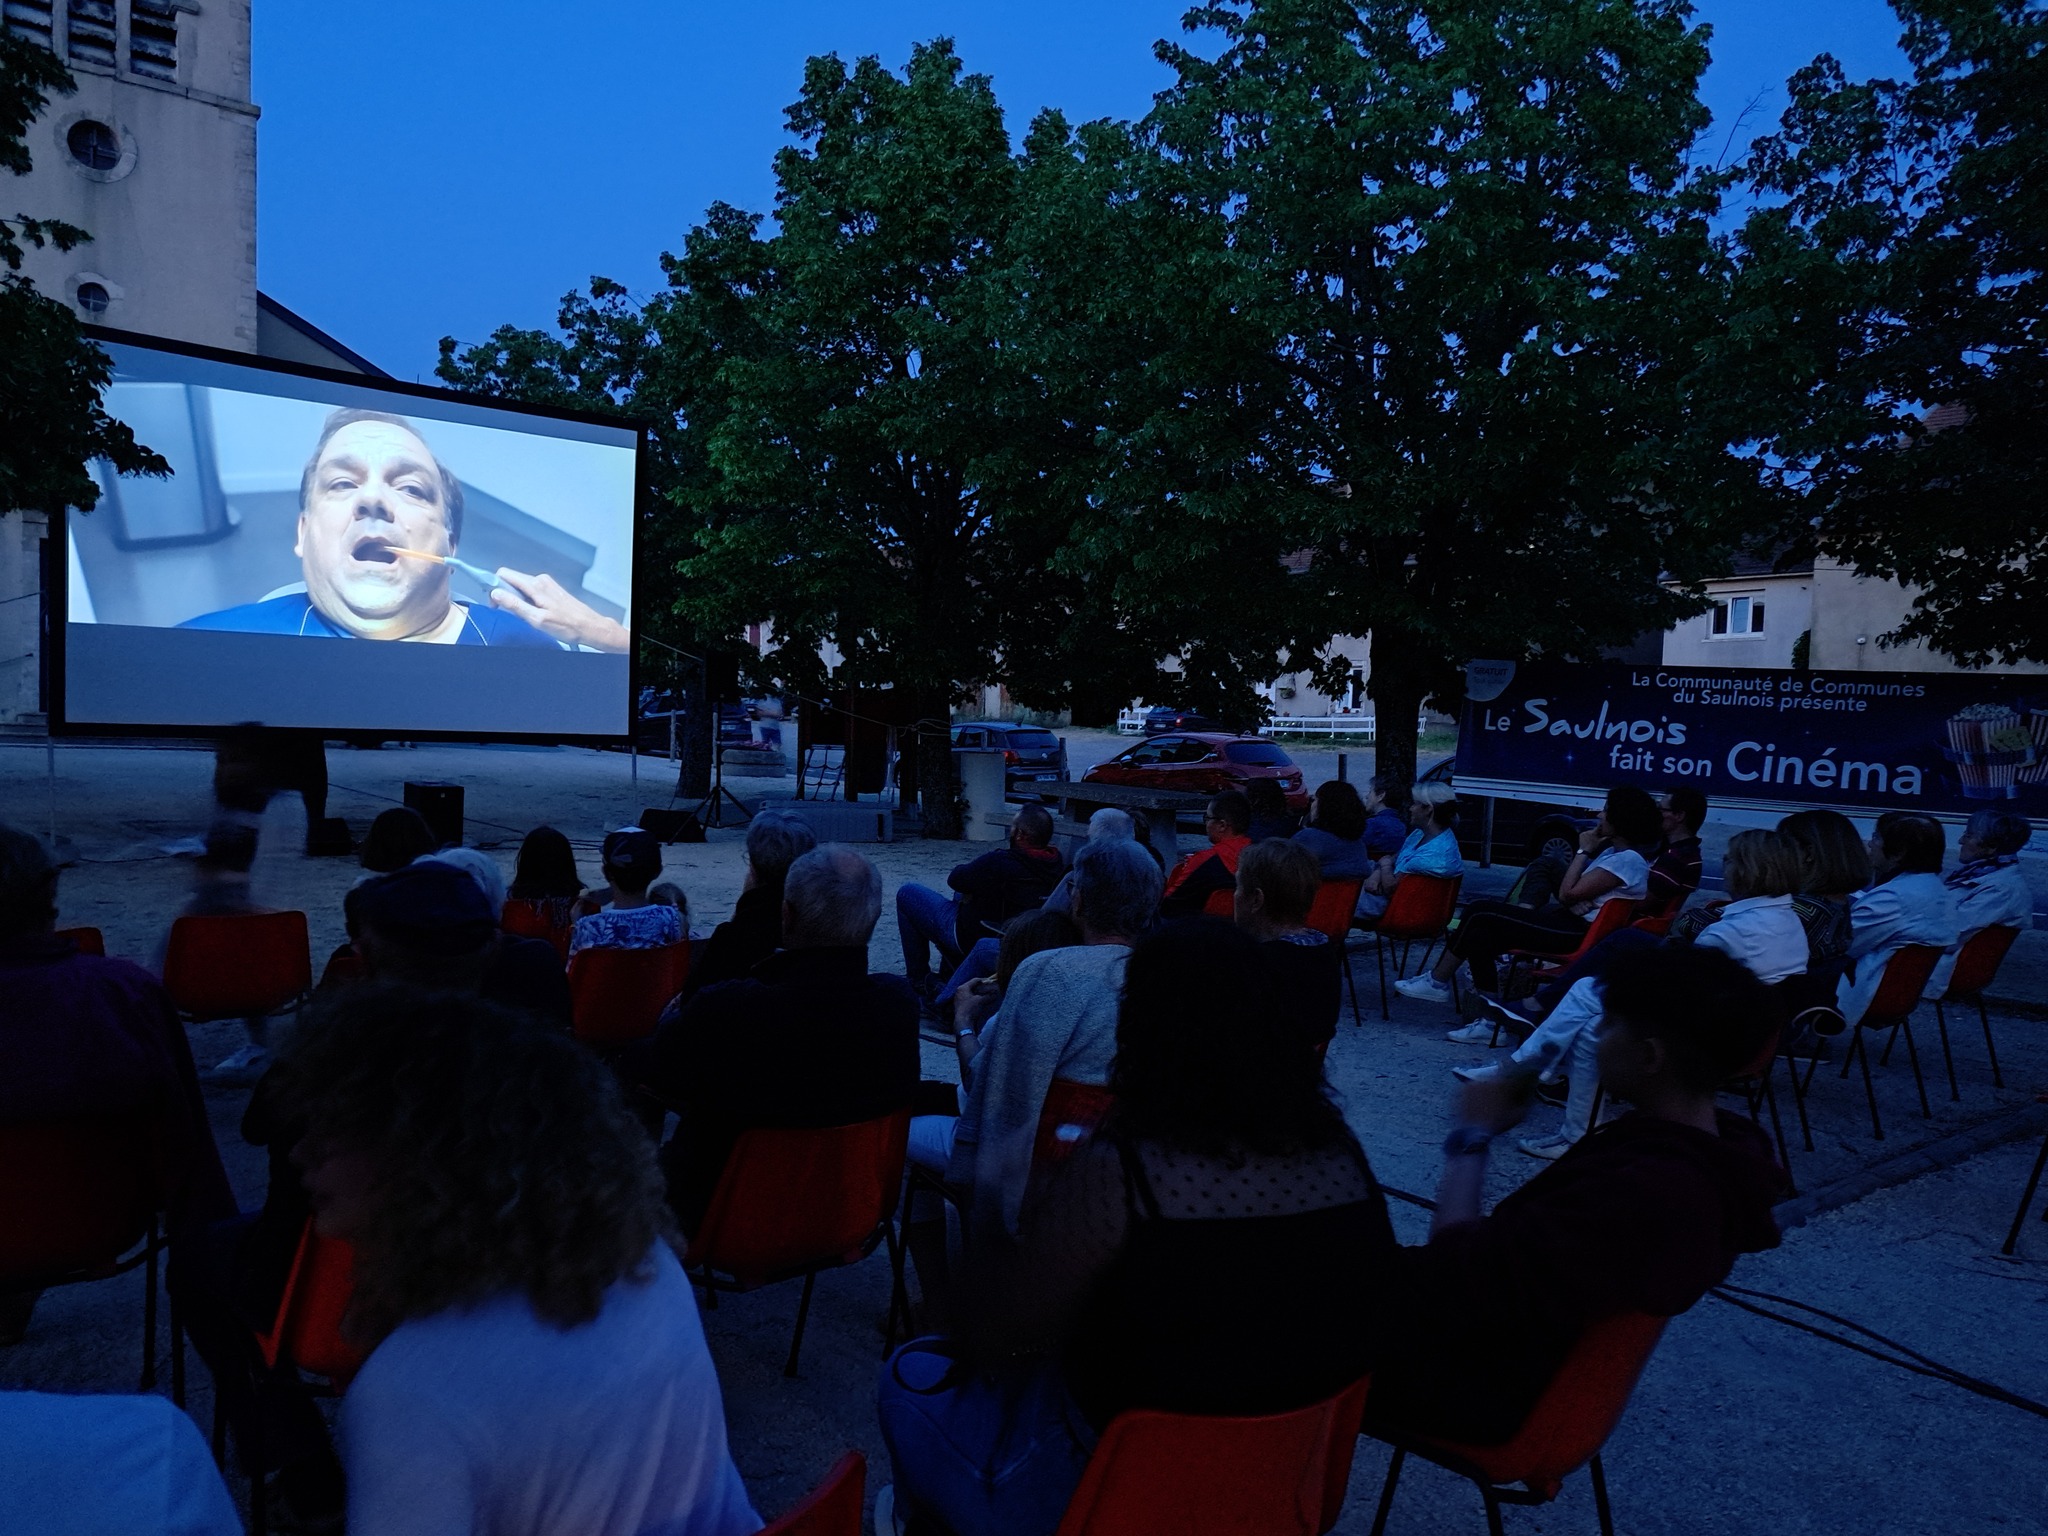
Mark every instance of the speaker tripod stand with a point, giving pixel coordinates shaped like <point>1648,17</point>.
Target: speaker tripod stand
<point>710,811</point>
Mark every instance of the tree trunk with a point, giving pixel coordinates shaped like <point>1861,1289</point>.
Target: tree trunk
<point>938,777</point>
<point>1397,688</point>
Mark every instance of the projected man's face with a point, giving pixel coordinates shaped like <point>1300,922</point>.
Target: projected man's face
<point>376,487</point>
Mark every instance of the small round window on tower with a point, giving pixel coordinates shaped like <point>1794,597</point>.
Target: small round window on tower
<point>93,299</point>
<point>94,145</point>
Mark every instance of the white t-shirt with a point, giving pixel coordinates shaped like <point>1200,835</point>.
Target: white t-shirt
<point>88,1465</point>
<point>494,1420</point>
<point>1764,933</point>
<point>1627,866</point>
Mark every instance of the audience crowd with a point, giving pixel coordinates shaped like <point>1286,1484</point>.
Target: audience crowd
<point>1141,1191</point>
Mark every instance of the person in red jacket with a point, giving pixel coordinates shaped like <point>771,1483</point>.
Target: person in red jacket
<point>1197,877</point>
<point>1643,1215</point>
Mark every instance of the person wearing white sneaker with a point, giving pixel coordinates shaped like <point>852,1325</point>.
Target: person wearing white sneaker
<point>1643,1216</point>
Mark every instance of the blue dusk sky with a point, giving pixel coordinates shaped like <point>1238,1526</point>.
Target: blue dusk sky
<point>441,169</point>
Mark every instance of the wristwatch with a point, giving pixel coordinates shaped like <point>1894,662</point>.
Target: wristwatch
<point>1467,1139</point>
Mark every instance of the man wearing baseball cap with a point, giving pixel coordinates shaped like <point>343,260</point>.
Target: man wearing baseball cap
<point>632,860</point>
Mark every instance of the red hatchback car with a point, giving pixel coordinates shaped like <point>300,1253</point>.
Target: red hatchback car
<point>1203,763</point>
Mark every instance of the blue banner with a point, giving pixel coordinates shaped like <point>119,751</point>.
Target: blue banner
<point>1948,743</point>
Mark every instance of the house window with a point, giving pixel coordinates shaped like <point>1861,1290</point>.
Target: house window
<point>1735,617</point>
<point>153,39</point>
<point>30,19</point>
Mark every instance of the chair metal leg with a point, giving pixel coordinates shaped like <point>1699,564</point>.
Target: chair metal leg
<point>899,1296</point>
<point>149,1270</point>
<point>1941,1023</point>
<point>2012,1238</point>
<point>259,1504</point>
<point>1913,1055</point>
<point>1600,1495</point>
<point>1862,1054</point>
<point>1379,1521</point>
<point>1990,1047</point>
<point>1351,980</point>
<point>1890,1040</point>
<point>220,1429</point>
<point>1379,952</point>
<point>1493,1525</point>
<point>1799,1099</point>
<point>1770,1097</point>
<point>177,1353</point>
<point>803,1312</point>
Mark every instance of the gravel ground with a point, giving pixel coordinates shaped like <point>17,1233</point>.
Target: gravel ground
<point>1739,1424</point>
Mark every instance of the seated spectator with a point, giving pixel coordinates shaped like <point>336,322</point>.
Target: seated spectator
<point>775,840</point>
<point>1213,1250</point>
<point>1387,821</point>
<point>1675,871</point>
<point>1431,848</point>
<point>83,1464</point>
<point>546,882</point>
<point>1335,833</point>
<point>1108,824</point>
<point>431,925</point>
<point>809,1038</point>
<point>988,892</point>
<point>397,837</point>
<point>1834,864</point>
<point>1607,867</point>
<point>632,858</point>
<point>1990,890</point>
<point>1276,887</point>
<point>1757,928</point>
<point>1270,816</point>
<point>1201,875</point>
<point>1909,904</point>
<point>1642,1216</point>
<point>535,1356</point>
<point>481,868</point>
<point>1058,1022</point>
<point>666,893</point>
<point>86,1035</point>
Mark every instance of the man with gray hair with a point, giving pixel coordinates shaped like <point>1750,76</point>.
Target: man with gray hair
<point>1990,888</point>
<point>809,1037</point>
<point>775,840</point>
<point>1058,1024</point>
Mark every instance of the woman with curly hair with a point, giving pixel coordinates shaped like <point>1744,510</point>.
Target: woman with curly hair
<point>536,1363</point>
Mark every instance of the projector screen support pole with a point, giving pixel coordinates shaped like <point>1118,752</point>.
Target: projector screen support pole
<point>50,757</point>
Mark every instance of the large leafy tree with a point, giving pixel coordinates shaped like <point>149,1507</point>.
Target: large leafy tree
<point>1901,256</point>
<point>1445,280</point>
<point>51,376</point>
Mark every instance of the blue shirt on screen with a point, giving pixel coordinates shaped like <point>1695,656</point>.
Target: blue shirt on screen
<point>293,613</point>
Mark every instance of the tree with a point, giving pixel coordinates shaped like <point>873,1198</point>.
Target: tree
<point>1456,285</point>
<point>1902,261</point>
<point>51,376</point>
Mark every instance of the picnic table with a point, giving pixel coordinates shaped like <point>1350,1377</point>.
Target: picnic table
<point>1160,808</point>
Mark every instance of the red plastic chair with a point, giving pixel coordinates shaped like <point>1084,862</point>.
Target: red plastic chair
<point>1608,918</point>
<point>238,965</point>
<point>1905,979</point>
<point>1564,1431</point>
<point>307,1330</point>
<point>794,1201</point>
<point>530,920</point>
<point>833,1507</point>
<point>1069,1117</point>
<point>1656,927</point>
<point>79,1201</point>
<point>343,967</point>
<point>1753,1082</point>
<point>1330,915</point>
<point>1976,967</point>
<point>1420,908</point>
<point>87,941</point>
<point>1178,1474</point>
<point>1221,904</point>
<point>618,994</point>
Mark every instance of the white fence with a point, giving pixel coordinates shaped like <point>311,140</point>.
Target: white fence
<point>1132,721</point>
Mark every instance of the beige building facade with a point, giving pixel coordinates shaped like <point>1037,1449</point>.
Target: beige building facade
<point>154,156</point>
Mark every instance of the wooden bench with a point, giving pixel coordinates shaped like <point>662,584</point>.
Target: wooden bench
<point>1160,808</point>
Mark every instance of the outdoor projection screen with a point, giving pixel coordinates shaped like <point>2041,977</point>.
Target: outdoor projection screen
<point>489,549</point>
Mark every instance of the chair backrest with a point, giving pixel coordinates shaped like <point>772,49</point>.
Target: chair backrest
<point>1608,917</point>
<point>1336,901</point>
<point>1578,1410</point>
<point>1069,1116</point>
<point>1905,978</point>
<point>796,1199</point>
<point>531,920</point>
<point>87,941</point>
<point>1221,904</point>
<point>1420,907</point>
<point>1760,1063</point>
<point>1977,962</point>
<point>1659,925</point>
<point>343,967</point>
<point>307,1330</point>
<point>618,994</point>
<point>833,1507</point>
<point>1175,1474</point>
<point>238,964</point>
<point>75,1194</point>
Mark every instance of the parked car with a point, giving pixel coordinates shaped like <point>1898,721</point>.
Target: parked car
<point>1164,717</point>
<point>1031,753</point>
<point>1203,763</point>
<point>1523,830</point>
